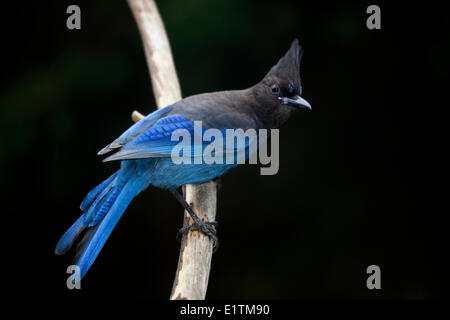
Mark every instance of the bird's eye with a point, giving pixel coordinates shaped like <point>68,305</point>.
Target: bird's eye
<point>291,88</point>
<point>275,88</point>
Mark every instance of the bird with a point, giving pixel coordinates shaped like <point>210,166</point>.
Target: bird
<point>144,151</point>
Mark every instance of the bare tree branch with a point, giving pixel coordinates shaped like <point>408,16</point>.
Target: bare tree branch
<point>194,263</point>
<point>157,51</point>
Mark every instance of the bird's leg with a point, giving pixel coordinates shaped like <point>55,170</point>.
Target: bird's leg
<point>208,228</point>
<point>218,182</point>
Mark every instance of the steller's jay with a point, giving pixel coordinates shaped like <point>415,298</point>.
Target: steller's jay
<point>145,151</point>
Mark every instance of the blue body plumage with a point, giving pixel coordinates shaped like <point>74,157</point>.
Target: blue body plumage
<point>105,204</point>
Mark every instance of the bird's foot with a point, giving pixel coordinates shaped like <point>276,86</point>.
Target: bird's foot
<point>207,228</point>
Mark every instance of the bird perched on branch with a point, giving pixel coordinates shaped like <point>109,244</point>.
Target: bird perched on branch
<point>145,152</point>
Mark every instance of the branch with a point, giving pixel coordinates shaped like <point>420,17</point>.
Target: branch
<point>194,263</point>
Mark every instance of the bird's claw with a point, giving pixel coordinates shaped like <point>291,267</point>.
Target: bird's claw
<point>207,228</point>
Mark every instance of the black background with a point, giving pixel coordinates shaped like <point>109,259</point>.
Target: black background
<point>359,179</point>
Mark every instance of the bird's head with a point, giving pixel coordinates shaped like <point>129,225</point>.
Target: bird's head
<point>280,91</point>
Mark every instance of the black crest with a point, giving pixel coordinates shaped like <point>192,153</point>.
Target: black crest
<point>288,67</point>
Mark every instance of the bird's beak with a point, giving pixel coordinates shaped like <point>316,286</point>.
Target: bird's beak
<point>297,101</point>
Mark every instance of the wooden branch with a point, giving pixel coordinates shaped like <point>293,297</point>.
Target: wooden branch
<point>157,51</point>
<point>194,263</point>
<point>136,116</point>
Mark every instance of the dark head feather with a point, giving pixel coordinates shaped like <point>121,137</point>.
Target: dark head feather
<point>282,81</point>
<point>288,67</point>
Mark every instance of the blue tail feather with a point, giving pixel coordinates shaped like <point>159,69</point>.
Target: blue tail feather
<point>67,240</point>
<point>93,194</point>
<point>96,237</point>
<point>91,203</point>
<point>106,206</point>
<point>97,204</point>
<point>103,206</point>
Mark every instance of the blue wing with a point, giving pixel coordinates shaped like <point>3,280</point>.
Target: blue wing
<point>135,130</point>
<point>156,142</point>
